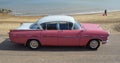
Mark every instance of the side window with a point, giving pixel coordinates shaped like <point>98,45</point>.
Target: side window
<point>52,26</point>
<point>49,26</point>
<point>65,25</point>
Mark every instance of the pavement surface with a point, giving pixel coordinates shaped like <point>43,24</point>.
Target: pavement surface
<point>15,53</point>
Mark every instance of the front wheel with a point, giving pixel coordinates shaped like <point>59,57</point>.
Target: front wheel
<point>93,44</point>
<point>33,44</point>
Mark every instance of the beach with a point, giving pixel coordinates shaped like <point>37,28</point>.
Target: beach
<point>15,12</point>
<point>110,23</point>
<point>107,53</point>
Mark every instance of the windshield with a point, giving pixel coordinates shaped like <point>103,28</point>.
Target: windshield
<point>76,25</point>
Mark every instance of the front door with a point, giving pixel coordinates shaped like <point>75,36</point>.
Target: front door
<point>49,35</point>
<point>68,36</point>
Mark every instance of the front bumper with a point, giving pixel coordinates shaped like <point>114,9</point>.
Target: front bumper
<point>104,42</point>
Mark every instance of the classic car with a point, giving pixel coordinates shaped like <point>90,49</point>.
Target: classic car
<point>59,30</point>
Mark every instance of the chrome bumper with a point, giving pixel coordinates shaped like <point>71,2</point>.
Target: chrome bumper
<point>104,42</point>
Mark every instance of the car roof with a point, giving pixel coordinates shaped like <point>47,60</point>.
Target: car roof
<point>56,18</point>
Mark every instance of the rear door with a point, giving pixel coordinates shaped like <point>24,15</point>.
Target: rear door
<point>49,34</point>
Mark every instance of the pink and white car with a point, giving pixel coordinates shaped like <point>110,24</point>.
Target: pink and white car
<point>59,30</point>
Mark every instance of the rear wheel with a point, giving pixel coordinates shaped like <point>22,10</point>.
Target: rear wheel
<point>33,44</point>
<point>93,44</point>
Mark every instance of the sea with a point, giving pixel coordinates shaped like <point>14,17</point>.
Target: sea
<point>53,7</point>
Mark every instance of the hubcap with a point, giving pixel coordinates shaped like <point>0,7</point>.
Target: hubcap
<point>93,44</point>
<point>34,44</point>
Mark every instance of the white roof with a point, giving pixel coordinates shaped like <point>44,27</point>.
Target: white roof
<point>57,18</point>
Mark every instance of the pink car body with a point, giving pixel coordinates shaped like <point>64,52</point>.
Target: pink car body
<point>77,37</point>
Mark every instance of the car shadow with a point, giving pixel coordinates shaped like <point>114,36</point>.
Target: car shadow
<point>7,45</point>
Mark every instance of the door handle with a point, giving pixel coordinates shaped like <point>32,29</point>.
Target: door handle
<point>60,31</point>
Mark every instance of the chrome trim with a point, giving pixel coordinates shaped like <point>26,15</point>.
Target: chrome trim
<point>70,37</point>
<point>102,36</point>
<point>49,36</point>
<point>62,36</point>
<point>108,33</point>
<point>86,35</point>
